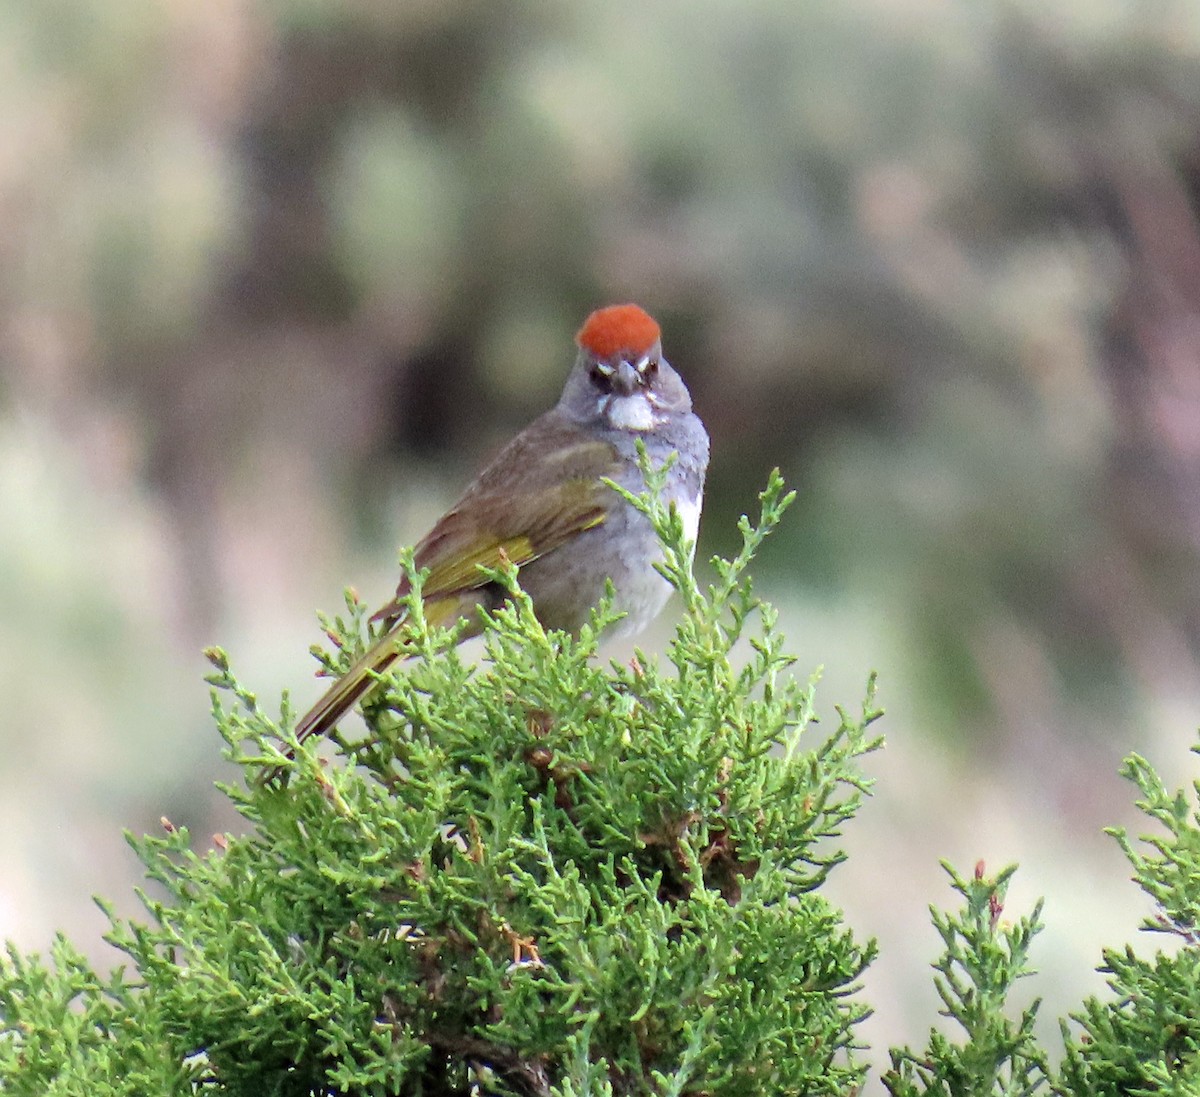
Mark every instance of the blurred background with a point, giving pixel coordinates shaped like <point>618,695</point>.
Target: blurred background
<point>276,278</point>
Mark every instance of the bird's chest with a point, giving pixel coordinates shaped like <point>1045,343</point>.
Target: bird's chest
<point>565,585</point>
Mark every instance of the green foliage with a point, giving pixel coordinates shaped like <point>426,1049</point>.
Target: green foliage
<point>1147,1040</point>
<point>65,1027</point>
<point>983,958</point>
<point>1143,1040</point>
<point>542,876</point>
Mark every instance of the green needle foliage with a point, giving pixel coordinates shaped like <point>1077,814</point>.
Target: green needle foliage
<point>544,875</point>
<point>539,875</point>
<point>1144,1040</point>
<point>1147,1040</point>
<point>984,956</point>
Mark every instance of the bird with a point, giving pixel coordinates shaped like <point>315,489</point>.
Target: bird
<point>542,504</point>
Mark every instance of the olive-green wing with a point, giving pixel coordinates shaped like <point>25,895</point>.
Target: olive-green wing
<point>543,489</point>
<point>533,525</point>
<point>558,494</point>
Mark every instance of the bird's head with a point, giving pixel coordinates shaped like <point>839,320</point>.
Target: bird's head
<point>620,376</point>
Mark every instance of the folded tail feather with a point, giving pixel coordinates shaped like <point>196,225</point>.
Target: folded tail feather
<point>362,676</point>
<point>351,687</point>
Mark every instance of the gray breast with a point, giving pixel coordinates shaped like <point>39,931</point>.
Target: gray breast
<point>567,583</point>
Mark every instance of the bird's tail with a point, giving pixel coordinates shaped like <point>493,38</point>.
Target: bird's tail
<point>351,687</point>
<point>363,675</point>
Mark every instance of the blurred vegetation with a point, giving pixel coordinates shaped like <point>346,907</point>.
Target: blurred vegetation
<point>273,271</point>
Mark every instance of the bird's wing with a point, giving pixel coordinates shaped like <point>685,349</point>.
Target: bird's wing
<point>540,491</point>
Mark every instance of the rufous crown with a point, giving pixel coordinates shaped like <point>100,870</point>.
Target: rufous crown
<point>617,328</point>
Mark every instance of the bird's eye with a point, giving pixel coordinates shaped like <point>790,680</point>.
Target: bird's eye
<point>646,369</point>
<point>601,376</point>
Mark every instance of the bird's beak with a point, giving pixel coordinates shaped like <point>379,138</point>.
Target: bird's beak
<point>625,381</point>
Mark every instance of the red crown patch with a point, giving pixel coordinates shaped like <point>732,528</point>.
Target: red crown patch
<point>617,328</point>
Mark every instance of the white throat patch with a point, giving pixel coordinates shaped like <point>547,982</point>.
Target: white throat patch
<point>630,412</point>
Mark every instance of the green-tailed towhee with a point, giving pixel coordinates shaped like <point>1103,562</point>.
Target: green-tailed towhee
<point>542,503</point>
